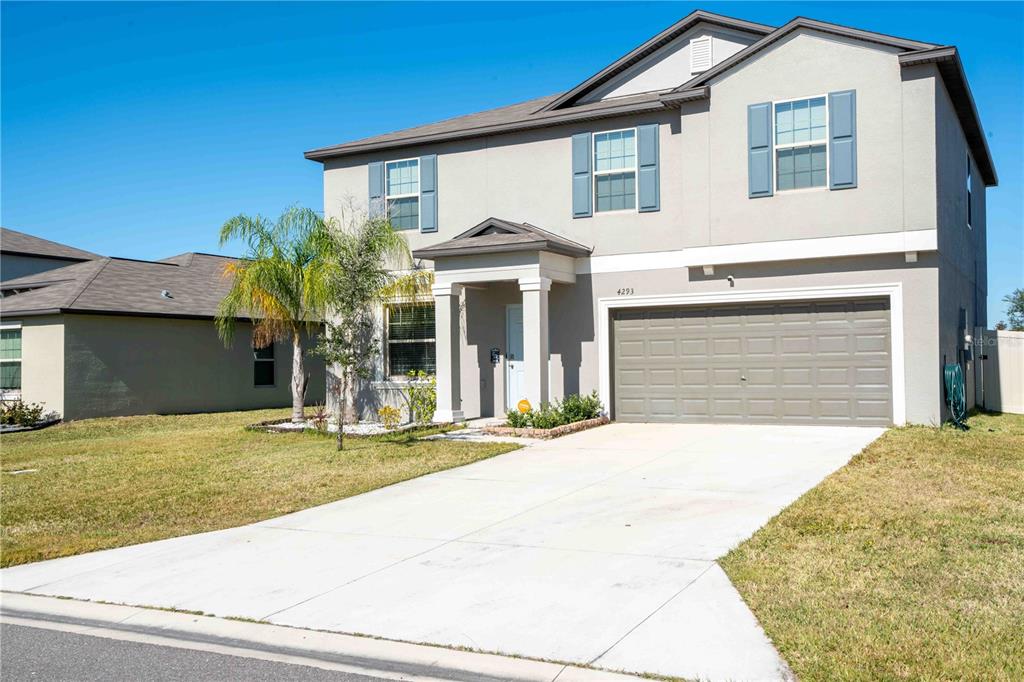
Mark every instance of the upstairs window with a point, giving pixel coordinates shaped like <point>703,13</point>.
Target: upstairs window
<point>402,193</point>
<point>263,366</point>
<point>969,226</point>
<point>801,144</point>
<point>10,360</point>
<point>411,339</point>
<point>615,170</point>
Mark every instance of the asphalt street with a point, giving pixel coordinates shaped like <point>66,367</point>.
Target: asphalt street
<point>28,653</point>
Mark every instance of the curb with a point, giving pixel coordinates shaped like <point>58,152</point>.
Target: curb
<point>327,650</point>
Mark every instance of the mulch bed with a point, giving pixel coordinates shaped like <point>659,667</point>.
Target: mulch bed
<point>563,430</point>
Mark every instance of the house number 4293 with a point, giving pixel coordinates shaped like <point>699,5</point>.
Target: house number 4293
<point>626,291</point>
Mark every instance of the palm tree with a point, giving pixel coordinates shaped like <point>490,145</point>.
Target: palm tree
<point>283,283</point>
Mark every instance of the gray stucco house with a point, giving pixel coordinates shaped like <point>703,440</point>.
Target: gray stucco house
<point>733,222</point>
<point>113,336</point>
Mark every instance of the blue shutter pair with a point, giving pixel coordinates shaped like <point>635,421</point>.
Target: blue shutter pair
<point>428,192</point>
<point>842,148</point>
<point>648,179</point>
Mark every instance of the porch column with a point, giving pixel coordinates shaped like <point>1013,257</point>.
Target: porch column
<point>535,337</point>
<point>446,336</point>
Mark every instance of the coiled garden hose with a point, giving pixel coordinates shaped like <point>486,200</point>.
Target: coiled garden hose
<point>956,396</point>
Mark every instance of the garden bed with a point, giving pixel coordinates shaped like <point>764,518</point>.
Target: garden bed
<point>358,429</point>
<point>16,428</point>
<point>563,430</point>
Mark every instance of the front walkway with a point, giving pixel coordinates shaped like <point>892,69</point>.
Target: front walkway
<point>596,548</point>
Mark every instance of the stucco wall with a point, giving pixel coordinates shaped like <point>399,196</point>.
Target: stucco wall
<point>962,249</point>
<point>526,176</point>
<point>13,265</point>
<point>137,365</point>
<point>574,309</point>
<point>42,361</point>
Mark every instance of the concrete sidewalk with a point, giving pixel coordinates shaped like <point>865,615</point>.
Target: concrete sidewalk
<point>360,656</point>
<point>597,548</point>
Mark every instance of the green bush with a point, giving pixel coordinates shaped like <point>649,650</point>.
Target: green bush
<point>421,394</point>
<point>575,408</point>
<point>18,413</point>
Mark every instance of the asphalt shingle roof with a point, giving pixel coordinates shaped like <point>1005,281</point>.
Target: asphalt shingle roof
<point>194,281</point>
<point>12,241</point>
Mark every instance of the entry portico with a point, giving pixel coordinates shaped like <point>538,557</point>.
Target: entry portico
<point>498,251</point>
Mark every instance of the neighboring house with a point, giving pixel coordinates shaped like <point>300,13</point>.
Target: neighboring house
<point>22,254</point>
<point>114,336</point>
<point>733,222</point>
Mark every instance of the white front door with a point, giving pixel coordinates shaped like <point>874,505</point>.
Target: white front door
<point>515,375</point>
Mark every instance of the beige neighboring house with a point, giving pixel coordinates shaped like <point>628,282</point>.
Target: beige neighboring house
<point>733,222</point>
<point>114,336</point>
<point>22,254</point>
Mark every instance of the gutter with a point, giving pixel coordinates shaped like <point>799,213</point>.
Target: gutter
<point>482,131</point>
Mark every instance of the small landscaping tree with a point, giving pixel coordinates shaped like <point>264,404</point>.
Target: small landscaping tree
<point>282,283</point>
<point>364,254</point>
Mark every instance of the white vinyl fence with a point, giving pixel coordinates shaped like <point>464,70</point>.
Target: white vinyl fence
<point>1000,383</point>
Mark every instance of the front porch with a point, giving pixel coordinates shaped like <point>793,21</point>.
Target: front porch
<point>511,268</point>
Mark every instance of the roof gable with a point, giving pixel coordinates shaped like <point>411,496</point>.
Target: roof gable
<point>648,48</point>
<point>495,235</point>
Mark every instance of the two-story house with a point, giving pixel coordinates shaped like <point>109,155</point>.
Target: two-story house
<point>733,222</point>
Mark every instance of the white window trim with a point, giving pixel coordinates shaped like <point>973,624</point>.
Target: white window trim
<point>417,193</point>
<point>797,145</point>
<point>635,170</point>
<point>387,339</point>
<point>14,394</point>
<point>894,292</point>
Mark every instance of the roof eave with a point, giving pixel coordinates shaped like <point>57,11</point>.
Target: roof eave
<point>947,59</point>
<point>570,116</point>
<point>433,253</point>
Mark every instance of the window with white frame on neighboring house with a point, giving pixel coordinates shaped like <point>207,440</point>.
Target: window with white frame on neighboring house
<point>410,338</point>
<point>402,193</point>
<point>801,143</point>
<point>263,366</point>
<point>10,360</point>
<point>615,170</point>
<point>969,191</point>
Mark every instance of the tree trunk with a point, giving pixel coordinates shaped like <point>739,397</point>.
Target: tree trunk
<point>298,380</point>
<point>339,407</point>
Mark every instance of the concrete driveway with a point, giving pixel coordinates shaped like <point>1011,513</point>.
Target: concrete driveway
<point>596,548</point>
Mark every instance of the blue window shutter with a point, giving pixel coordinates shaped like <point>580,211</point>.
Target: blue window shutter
<point>759,149</point>
<point>428,193</point>
<point>648,191</point>
<point>581,199</point>
<point>842,148</point>
<point>375,207</point>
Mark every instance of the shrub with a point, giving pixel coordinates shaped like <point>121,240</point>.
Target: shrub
<point>389,417</point>
<point>577,408</point>
<point>319,418</point>
<point>517,420</point>
<point>574,408</point>
<point>421,393</point>
<point>18,413</point>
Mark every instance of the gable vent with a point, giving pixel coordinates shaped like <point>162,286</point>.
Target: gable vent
<point>700,54</point>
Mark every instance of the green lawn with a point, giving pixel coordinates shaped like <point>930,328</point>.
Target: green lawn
<point>111,482</point>
<point>906,564</point>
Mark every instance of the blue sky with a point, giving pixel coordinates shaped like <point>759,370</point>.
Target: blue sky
<point>136,129</point>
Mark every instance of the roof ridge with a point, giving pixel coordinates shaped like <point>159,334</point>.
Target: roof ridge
<point>88,280</point>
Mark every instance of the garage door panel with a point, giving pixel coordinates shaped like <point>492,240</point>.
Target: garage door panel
<point>796,362</point>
